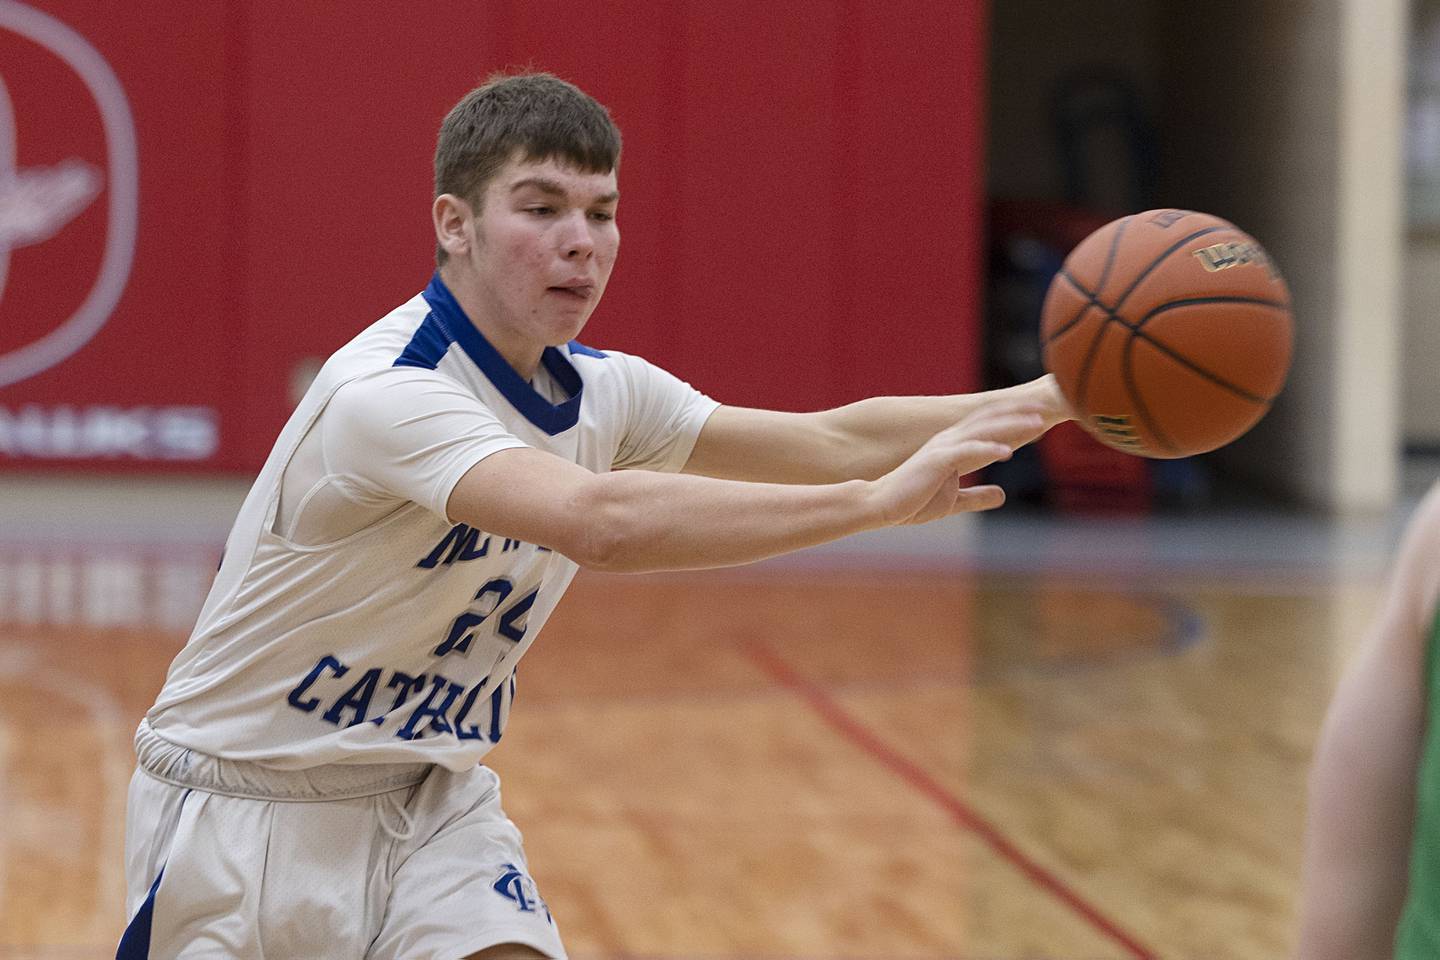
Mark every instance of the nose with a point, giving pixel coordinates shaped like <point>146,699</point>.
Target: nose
<point>577,244</point>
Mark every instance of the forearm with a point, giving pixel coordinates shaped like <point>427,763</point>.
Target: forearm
<point>1358,825</point>
<point>637,520</point>
<point>640,521</point>
<point>870,437</point>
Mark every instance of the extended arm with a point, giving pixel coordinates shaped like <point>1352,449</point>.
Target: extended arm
<point>637,520</point>
<point>862,440</point>
<point>1362,785</point>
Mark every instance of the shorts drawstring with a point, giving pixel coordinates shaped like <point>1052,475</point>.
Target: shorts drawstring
<point>393,803</point>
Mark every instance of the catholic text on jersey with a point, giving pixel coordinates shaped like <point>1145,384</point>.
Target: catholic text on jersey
<point>430,703</point>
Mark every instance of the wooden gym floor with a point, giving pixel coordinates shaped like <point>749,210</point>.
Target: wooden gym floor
<point>1018,739</point>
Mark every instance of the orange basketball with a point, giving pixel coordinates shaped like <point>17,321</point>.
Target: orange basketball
<point>1169,332</point>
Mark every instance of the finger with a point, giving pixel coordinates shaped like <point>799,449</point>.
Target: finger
<point>975,499</point>
<point>972,455</point>
<point>952,499</point>
<point>1014,432</point>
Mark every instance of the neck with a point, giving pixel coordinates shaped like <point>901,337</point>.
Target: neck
<point>522,355</point>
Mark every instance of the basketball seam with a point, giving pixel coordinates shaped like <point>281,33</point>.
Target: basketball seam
<point>1191,364</point>
<point>1082,382</point>
<point>1127,374</point>
<point>1091,301</point>
<point>1109,258</point>
<point>1068,324</point>
<point>1195,368</point>
<point>1160,259</point>
<point>1094,297</point>
<point>1194,301</point>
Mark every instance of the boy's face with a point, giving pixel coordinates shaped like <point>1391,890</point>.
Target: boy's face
<point>544,245</point>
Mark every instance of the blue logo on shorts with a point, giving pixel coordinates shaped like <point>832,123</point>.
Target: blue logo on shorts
<point>514,885</point>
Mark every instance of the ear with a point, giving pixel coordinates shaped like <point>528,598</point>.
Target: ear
<point>450,215</point>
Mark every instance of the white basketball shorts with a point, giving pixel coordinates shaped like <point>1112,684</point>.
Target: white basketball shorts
<point>392,862</point>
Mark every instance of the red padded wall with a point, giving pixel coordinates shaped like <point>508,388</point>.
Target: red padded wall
<point>801,200</point>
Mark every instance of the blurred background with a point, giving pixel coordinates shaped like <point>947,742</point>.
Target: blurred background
<point>1077,728</point>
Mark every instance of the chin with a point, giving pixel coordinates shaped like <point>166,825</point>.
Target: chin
<point>564,334</point>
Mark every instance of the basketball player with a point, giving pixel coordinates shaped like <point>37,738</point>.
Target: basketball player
<point>1371,878</point>
<point>309,782</point>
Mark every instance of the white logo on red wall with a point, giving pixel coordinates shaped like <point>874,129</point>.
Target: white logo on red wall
<point>37,202</point>
<point>69,201</point>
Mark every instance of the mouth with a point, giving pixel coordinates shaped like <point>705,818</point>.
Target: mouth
<point>578,291</point>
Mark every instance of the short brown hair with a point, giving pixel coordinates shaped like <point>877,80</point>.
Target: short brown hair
<point>536,116</point>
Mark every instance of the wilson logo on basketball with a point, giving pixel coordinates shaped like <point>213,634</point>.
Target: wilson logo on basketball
<point>1223,256</point>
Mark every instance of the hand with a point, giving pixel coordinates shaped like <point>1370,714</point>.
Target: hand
<point>927,485</point>
<point>1045,393</point>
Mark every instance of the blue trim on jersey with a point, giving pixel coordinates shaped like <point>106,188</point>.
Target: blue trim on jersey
<point>452,322</point>
<point>577,347</point>
<point>427,346</point>
<point>135,941</point>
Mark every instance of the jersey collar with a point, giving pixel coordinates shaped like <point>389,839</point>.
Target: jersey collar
<point>553,418</point>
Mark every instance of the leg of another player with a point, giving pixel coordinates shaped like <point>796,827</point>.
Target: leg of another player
<point>508,951</point>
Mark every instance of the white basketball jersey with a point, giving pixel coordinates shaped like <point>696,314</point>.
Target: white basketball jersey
<point>397,640</point>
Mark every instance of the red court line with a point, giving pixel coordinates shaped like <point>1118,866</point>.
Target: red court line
<point>860,735</point>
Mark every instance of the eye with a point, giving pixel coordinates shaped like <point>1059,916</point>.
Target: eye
<point>602,216</point>
<point>540,211</point>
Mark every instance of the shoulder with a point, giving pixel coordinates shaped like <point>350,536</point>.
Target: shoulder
<point>618,368</point>
<point>391,396</point>
<point>400,384</point>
